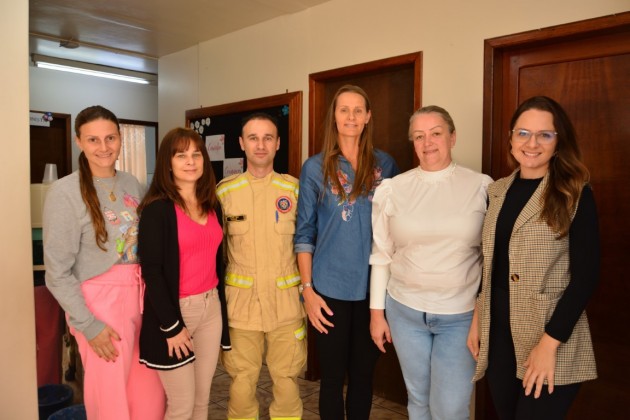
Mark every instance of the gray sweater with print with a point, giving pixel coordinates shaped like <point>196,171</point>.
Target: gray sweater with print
<point>71,255</point>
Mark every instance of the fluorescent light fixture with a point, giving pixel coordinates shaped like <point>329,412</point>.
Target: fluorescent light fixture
<point>69,69</point>
<point>60,64</point>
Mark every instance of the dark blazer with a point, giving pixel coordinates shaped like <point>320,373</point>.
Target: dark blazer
<point>158,249</point>
<point>539,274</point>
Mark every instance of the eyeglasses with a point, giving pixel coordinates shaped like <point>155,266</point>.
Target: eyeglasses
<point>544,136</point>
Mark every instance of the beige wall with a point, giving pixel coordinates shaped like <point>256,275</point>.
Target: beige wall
<point>276,56</point>
<point>18,387</point>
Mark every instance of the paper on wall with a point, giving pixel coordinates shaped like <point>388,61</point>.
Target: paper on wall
<point>232,166</point>
<point>215,145</point>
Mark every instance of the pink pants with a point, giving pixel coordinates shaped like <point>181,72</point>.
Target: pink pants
<point>124,389</point>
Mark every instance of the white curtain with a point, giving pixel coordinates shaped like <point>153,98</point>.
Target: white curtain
<point>132,157</point>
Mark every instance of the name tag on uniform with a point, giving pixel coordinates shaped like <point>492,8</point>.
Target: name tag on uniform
<point>239,218</point>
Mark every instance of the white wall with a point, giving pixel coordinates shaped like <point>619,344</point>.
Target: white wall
<point>179,87</point>
<point>69,93</point>
<point>278,55</point>
<point>18,387</point>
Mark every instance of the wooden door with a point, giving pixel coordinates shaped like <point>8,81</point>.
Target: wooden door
<point>393,86</point>
<point>585,66</point>
<point>51,145</point>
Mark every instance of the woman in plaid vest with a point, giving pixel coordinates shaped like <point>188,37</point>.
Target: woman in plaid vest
<point>530,334</point>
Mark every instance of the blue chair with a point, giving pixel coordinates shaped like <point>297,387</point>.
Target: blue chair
<point>74,412</point>
<point>53,397</point>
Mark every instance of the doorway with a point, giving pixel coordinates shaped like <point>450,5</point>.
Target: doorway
<point>50,143</point>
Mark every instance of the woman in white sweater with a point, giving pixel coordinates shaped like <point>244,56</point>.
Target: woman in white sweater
<point>426,268</point>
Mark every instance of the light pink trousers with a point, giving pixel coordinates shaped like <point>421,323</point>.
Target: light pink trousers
<point>124,389</point>
<point>188,387</point>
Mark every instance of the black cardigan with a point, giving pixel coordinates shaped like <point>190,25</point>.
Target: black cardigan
<point>158,249</point>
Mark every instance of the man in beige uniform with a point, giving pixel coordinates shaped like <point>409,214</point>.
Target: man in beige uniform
<point>262,277</point>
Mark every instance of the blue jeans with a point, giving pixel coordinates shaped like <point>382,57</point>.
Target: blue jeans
<point>435,362</point>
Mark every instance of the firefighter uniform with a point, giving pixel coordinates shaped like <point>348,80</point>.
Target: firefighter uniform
<point>263,300</point>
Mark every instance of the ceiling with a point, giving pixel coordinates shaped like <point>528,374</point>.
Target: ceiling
<point>133,34</point>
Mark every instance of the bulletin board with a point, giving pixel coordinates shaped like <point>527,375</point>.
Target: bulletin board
<point>220,127</point>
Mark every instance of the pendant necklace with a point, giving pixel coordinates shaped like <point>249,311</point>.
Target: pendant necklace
<point>111,195</point>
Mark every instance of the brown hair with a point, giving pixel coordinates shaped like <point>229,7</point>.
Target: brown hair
<point>364,177</point>
<point>86,183</point>
<point>163,186</point>
<point>567,172</point>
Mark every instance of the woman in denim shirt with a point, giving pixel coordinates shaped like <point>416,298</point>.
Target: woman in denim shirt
<point>333,244</point>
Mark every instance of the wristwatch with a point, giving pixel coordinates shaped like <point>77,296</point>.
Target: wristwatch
<point>303,286</point>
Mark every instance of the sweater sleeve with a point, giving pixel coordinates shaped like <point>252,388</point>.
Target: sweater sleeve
<point>382,246</point>
<point>152,237</point>
<point>62,243</point>
<point>584,264</point>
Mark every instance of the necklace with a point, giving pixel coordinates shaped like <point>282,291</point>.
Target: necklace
<point>112,196</point>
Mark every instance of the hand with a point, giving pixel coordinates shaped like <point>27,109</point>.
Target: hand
<point>314,305</point>
<point>379,329</point>
<point>473,336</point>
<point>180,344</point>
<point>102,344</point>
<point>541,365</point>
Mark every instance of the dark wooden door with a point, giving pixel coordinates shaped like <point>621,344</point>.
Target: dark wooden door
<point>585,66</point>
<point>51,145</point>
<point>393,86</point>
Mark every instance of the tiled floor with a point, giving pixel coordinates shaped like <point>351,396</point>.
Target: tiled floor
<point>382,409</point>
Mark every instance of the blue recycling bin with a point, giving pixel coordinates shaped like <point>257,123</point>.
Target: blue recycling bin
<point>53,397</point>
<point>74,412</point>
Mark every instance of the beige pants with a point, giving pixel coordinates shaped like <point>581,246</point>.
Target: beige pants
<point>188,387</point>
<point>286,356</point>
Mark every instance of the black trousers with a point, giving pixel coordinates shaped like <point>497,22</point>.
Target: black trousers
<point>347,349</point>
<point>508,394</point>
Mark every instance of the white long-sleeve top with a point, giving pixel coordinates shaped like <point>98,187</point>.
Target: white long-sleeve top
<point>426,249</point>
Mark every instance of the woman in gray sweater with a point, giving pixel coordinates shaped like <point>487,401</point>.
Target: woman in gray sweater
<point>90,243</point>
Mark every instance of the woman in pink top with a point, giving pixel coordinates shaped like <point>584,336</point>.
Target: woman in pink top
<point>179,245</point>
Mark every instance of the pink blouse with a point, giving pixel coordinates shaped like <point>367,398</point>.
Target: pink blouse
<point>198,245</point>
